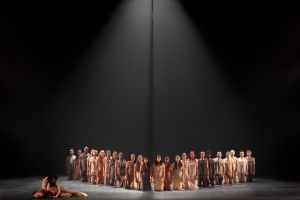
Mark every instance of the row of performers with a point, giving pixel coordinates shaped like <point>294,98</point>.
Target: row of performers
<point>186,173</point>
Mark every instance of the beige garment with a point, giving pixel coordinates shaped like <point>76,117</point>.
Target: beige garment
<point>120,173</point>
<point>242,164</point>
<point>228,174</point>
<point>185,183</point>
<point>92,165</point>
<point>158,175</point>
<point>106,170</point>
<point>192,170</point>
<point>234,168</point>
<point>178,177</point>
<point>92,169</point>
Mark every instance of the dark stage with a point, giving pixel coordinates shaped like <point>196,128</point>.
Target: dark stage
<point>150,77</point>
<point>19,189</point>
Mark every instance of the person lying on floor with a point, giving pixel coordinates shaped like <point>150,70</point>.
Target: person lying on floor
<point>51,189</point>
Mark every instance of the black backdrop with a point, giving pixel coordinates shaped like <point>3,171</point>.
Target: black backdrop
<point>76,74</point>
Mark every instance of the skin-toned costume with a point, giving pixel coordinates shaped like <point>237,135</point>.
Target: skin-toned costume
<point>145,171</point>
<point>251,168</point>
<point>93,168</point>
<point>192,173</point>
<point>203,172</point>
<point>120,172</point>
<point>234,166</point>
<point>178,175</point>
<point>158,173</point>
<point>129,174</point>
<point>70,166</point>
<point>106,170</point>
<point>168,176</point>
<point>137,176</point>
<point>219,170</point>
<point>100,171</point>
<point>83,166</point>
<point>242,168</point>
<point>77,175</point>
<point>228,173</point>
<point>185,175</point>
<point>211,170</point>
<point>112,172</point>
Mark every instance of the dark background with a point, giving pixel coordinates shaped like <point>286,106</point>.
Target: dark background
<point>225,76</point>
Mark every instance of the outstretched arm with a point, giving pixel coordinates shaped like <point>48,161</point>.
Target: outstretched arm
<point>44,183</point>
<point>253,166</point>
<point>58,191</point>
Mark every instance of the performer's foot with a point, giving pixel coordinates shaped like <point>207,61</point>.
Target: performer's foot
<point>84,194</point>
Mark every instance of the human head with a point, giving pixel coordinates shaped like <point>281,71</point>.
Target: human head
<point>37,194</point>
<point>202,154</point>
<point>86,150</point>
<point>219,154</point>
<point>140,158</point>
<point>242,154</point>
<point>115,155</point>
<point>208,154</point>
<point>132,157</point>
<point>192,155</point>
<point>158,159</point>
<point>146,160</point>
<point>177,158</point>
<point>52,179</point>
<point>71,151</point>
<point>108,154</point>
<point>249,153</point>
<point>232,153</point>
<point>167,159</point>
<point>121,155</point>
<point>227,153</point>
<point>184,156</point>
<point>102,153</point>
<point>79,152</point>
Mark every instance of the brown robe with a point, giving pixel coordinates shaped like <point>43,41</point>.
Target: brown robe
<point>168,176</point>
<point>77,175</point>
<point>83,166</point>
<point>178,176</point>
<point>228,171</point>
<point>100,171</point>
<point>106,170</point>
<point>185,175</point>
<point>120,173</point>
<point>158,173</point>
<point>129,174</point>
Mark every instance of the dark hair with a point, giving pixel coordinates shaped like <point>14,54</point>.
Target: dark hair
<point>138,164</point>
<point>46,194</point>
<point>52,176</point>
<point>177,165</point>
<point>189,156</point>
<point>148,163</point>
<point>158,163</point>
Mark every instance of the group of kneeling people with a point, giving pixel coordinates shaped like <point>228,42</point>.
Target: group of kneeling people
<point>186,173</point>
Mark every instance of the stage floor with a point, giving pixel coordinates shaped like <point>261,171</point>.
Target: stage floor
<point>260,189</point>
